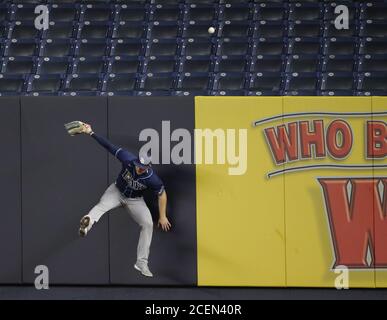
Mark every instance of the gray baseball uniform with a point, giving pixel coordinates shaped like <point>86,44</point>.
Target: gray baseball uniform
<point>127,191</point>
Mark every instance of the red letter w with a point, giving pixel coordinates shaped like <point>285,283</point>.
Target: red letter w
<point>358,221</point>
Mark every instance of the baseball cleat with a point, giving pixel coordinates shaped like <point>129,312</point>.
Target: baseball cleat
<point>143,268</point>
<point>85,226</point>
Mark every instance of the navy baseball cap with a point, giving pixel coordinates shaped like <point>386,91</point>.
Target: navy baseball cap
<point>143,161</point>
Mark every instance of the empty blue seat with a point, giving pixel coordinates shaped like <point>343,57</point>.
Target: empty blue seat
<point>337,64</point>
<point>91,48</point>
<point>120,65</point>
<point>20,48</point>
<point>267,64</point>
<point>194,85</point>
<point>127,48</point>
<point>61,30</point>
<point>21,66</point>
<point>196,67</point>
<point>54,66</point>
<point>334,84</point>
<point>57,48</point>
<point>302,64</point>
<point>82,85</point>
<point>265,84</point>
<point>89,66</point>
<point>119,85</point>
<point>372,84</point>
<point>11,85</point>
<point>45,85</point>
<point>301,85</point>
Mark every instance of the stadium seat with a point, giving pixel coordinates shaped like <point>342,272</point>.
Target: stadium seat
<point>269,47</point>
<point>197,48</point>
<point>124,66</point>
<point>162,49</point>
<point>297,12</point>
<point>164,31</point>
<point>302,64</point>
<point>268,13</point>
<point>236,13</point>
<point>333,64</point>
<point>372,64</point>
<point>307,29</point>
<point>20,49</point>
<point>372,84</point>
<point>269,30</point>
<point>166,14</point>
<point>129,31</point>
<point>301,85</point>
<point>132,15</point>
<point>85,85</point>
<point>199,30</point>
<point>11,86</point>
<point>190,85</point>
<point>45,85</point>
<point>25,13</point>
<point>195,66</point>
<point>235,30</point>
<point>13,66</point>
<point>61,14</point>
<point>374,11</point>
<point>267,64</point>
<point>159,66</point>
<point>89,66</point>
<point>224,65</point>
<point>229,85</point>
<point>4,13</point>
<point>58,66</point>
<point>263,84</point>
<point>93,31</point>
<point>200,14</point>
<point>127,49</point>
<point>23,31</point>
<point>373,47</point>
<point>91,49</point>
<point>334,84</point>
<point>120,85</point>
<point>160,84</point>
<point>98,14</point>
<point>304,46</point>
<point>339,48</point>
<point>65,30</point>
<point>372,29</point>
<point>59,48</point>
<point>233,48</point>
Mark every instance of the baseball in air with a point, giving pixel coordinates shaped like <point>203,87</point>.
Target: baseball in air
<point>211,30</point>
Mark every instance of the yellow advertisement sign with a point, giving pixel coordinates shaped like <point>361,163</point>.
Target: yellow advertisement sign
<point>310,208</point>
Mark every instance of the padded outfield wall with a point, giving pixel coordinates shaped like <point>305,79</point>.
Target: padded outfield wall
<point>296,189</point>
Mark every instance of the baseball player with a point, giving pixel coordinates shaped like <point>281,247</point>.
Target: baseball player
<point>135,177</point>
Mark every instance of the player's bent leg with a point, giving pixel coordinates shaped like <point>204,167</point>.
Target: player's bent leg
<point>110,199</point>
<point>141,214</point>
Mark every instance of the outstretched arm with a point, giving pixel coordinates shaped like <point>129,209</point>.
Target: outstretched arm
<point>118,152</point>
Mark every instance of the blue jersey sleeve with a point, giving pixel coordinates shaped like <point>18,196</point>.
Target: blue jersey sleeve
<point>155,184</point>
<point>121,154</point>
<point>125,156</point>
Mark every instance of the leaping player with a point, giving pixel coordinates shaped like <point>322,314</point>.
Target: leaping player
<point>135,177</point>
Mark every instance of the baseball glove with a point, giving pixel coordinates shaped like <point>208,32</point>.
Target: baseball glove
<point>75,127</point>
